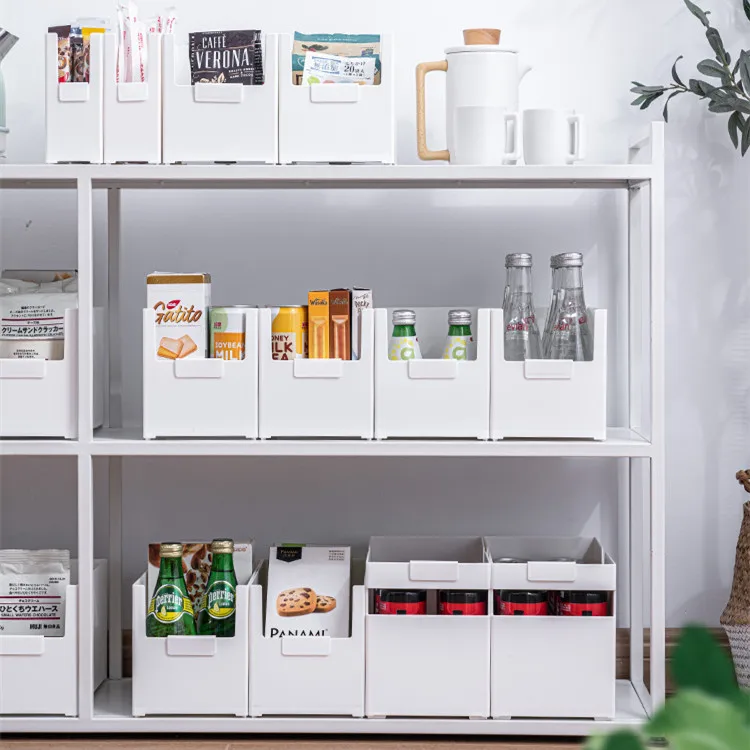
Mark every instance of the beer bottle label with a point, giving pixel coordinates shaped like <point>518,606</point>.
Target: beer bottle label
<point>219,600</point>
<point>169,604</point>
<point>404,347</point>
<point>457,347</point>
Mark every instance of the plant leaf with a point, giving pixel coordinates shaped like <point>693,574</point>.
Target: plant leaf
<point>647,89</point>
<point>665,113</point>
<point>675,76</point>
<point>701,88</point>
<point>745,146</point>
<point>719,108</point>
<point>698,661</point>
<point>639,100</point>
<point>702,15</point>
<point>711,68</point>
<point>735,125</point>
<point>746,7</point>
<point>623,739</point>
<point>714,39</point>
<point>650,100</point>
<point>744,63</point>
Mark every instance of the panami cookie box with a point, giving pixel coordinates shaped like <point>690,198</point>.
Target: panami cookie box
<point>181,302</point>
<point>196,566</point>
<point>308,591</point>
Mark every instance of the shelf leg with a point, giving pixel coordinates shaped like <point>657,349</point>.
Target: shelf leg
<point>115,567</point>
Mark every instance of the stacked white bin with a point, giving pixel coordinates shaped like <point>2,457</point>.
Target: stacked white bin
<point>320,676</point>
<point>432,397</point>
<point>38,674</point>
<point>545,398</point>
<point>337,123</point>
<point>316,397</point>
<point>200,397</point>
<point>553,666</point>
<point>427,665</point>
<point>74,111</point>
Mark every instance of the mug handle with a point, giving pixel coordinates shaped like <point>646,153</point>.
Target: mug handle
<point>515,154</point>
<point>425,153</point>
<point>578,131</point>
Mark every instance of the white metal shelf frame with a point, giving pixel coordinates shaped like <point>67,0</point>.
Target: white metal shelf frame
<point>640,447</point>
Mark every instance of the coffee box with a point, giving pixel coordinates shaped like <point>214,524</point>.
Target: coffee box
<point>340,306</point>
<point>181,302</point>
<point>361,300</point>
<point>308,591</point>
<point>318,325</point>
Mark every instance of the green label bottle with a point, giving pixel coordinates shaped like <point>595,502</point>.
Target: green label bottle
<point>404,343</point>
<point>218,607</point>
<point>459,343</point>
<point>170,611</point>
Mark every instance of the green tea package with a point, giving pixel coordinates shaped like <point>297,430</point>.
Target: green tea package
<point>326,46</point>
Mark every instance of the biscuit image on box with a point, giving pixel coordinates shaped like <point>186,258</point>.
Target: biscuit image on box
<point>294,602</point>
<point>170,348</point>
<point>188,346</point>
<point>325,604</point>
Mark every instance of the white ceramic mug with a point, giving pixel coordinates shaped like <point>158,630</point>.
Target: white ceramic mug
<point>552,136</point>
<point>485,135</point>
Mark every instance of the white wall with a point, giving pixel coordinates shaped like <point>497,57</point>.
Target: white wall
<point>437,248</point>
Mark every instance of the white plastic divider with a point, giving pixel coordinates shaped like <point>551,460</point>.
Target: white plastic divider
<point>543,398</point>
<point>218,665</point>
<point>432,398</point>
<point>39,397</point>
<point>229,122</point>
<point>319,676</point>
<point>133,111</point>
<point>38,674</point>
<point>345,122</point>
<point>199,397</point>
<point>553,666</point>
<point>427,665</point>
<point>316,397</point>
<point>74,111</point>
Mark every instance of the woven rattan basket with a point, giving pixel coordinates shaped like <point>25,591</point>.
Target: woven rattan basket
<point>736,615</point>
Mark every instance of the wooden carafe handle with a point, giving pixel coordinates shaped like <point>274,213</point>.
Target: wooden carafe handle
<point>425,153</point>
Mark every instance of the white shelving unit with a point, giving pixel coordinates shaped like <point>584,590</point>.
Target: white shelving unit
<point>639,444</point>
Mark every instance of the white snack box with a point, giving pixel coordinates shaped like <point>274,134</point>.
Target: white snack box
<point>361,300</point>
<point>316,571</point>
<point>181,302</point>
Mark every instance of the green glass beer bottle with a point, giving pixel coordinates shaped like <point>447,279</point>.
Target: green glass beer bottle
<point>459,343</point>
<point>218,606</point>
<point>170,611</point>
<point>404,343</point>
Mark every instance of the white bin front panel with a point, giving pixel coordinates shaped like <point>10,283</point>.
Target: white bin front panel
<point>191,668</point>
<point>440,399</point>
<point>549,399</point>
<point>132,111</point>
<point>74,111</point>
<point>316,398</point>
<point>220,122</point>
<point>553,667</point>
<point>427,665</point>
<point>200,397</point>
<point>341,123</point>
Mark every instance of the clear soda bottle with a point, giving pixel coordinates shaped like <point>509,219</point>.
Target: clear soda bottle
<point>404,343</point>
<point>459,343</point>
<point>521,331</point>
<point>570,336</point>
<point>554,264</point>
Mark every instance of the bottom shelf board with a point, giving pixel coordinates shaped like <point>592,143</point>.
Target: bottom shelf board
<point>112,714</point>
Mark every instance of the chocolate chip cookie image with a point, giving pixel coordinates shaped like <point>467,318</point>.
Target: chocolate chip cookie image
<point>294,602</point>
<point>325,604</point>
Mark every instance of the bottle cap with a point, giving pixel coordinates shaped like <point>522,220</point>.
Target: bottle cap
<point>222,546</point>
<point>170,549</point>
<point>518,260</point>
<point>459,318</point>
<point>404,317</point>
<point>569,260</point>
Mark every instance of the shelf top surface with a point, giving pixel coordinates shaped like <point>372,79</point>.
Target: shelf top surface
<point>238,176</point>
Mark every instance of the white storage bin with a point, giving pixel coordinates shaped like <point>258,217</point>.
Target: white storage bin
<point>74,125</point>
<point>320,676</point>
<point>553,666</point>
<point>39,397</point>
<point>545,398</point>
<point>228,122</point>
<point>132,111</point>
<point>199,397</point>
<point>210,674</point>
<point>316,397</point>
<point>338,122</point>
<point>39,675</point>
<point>432,398</point>
<point>427,665</point>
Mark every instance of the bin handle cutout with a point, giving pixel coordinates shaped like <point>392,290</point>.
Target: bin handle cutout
<point>219,93</point>
<point>191,645</point>
<point>548,369</point>
<point>21,645</point>
<point>551,571</point>
<point>23,369</point>
<point>318,368</point>
<point>73,92</point>
<point>341,93</point>
<point>199,369</point>
<point>433,369</point>
<point>433,570</point>
<point>296,646</point>
<point>132,92</point>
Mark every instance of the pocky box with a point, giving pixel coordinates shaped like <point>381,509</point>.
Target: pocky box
<point>340,307</point>
<point>227,57</point>
<point>319,321</point>
<point>361,300</point>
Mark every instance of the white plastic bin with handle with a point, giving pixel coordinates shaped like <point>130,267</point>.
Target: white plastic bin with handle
<point>132,110</point>
<point>342,122</point>
<point>549,398</point>
<point>74,111</point>
<point>219,122</point>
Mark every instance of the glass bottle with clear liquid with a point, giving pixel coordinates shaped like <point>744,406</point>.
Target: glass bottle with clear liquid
<point>521,331</point>
<point>570,335</point>
<point>554,264</point>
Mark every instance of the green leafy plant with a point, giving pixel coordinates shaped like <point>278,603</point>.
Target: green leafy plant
<point>709,711</point>
<point>728,91</point>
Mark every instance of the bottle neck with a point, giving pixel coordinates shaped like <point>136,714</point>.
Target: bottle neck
<point>401,332</point>
<point>170,567</point>
<point>519,281</point>
<point>222,563</point>
<point>459,330</point>
<point>571,278</point>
